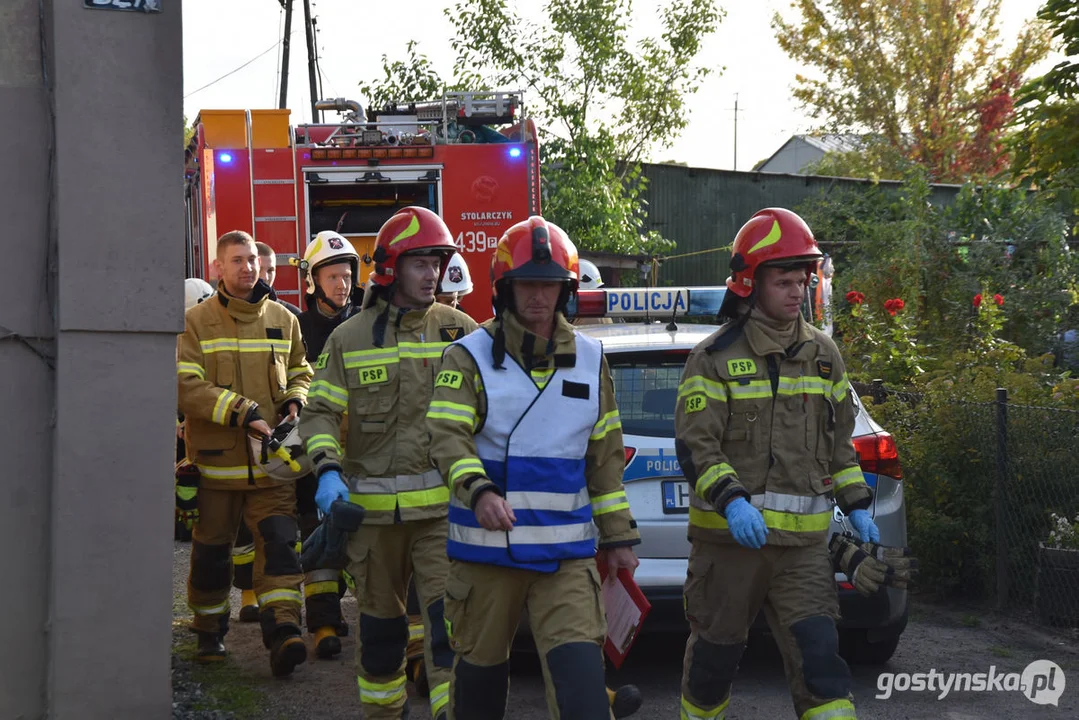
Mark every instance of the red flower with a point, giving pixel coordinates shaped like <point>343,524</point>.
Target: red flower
<point>977,300</point>
<point>894,305</point>
<point>999,299</point>
<point>855,298</point>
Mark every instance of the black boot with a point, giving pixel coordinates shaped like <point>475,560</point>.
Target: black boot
<point>287,651</point>
<point>625,701</point>
<point>211,648</point>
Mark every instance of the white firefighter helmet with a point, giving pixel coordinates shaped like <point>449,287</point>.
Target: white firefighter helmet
<point>195,291</point>
<point>456,278</point>
<point>589,277</point>
<point>282,455</point>
<point>328,247</point>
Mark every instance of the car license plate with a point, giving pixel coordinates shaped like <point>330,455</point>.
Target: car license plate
<point>675,496</point>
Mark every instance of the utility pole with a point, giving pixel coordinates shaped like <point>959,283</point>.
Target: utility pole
<point>315,117</point>
<point>283,102</point>
<point>736,131</point>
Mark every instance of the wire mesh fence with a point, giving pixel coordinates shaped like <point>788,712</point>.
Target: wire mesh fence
<point>992,494</point>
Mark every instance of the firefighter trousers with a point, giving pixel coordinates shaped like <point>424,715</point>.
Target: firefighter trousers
<point>726,586</point>
<point>415,624</point>
<point>321,588</point>
<point>243,559</point>
<point>269,512</point>
<point>382,558</point>
<point>565,612</point>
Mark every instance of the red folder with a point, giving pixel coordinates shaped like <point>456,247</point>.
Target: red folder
<point>626,608</point>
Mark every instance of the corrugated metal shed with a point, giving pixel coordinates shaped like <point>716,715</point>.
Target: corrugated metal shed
<point>702,209</point>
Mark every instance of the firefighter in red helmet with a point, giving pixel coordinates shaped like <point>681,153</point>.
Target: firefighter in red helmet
<point>381,367</point>
<point>763,427</point>
<point>526,431</point>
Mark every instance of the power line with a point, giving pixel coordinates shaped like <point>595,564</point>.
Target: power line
<point>234,70</point>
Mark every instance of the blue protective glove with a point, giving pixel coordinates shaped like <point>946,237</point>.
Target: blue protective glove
<point>331,486</point>
<point>746,523</point>
<point>865,527</point>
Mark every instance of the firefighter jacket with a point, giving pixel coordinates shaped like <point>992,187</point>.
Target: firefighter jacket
<point>772,425</point>
<point>239,361</point>
<point>316,327</point>
<point>385,391</point>
<point>544,433</point>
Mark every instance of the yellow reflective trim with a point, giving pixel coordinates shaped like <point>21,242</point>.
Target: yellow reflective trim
<point>611,502</point>
<point>774,519</point>
<point>244,558</point>
<point>281,595</point>
<point>381,693</point>
<point>697,384</point>
<point>367,358</point>
<point>186,492</point>
<point>326,587</point>
<point>236,472</point>
<point>415,631</point>
<point>372,501</point>
<point>689,711</point>
<point>847,476</point>
<point>831,711</point>
<point>440,697</point>
<point>770,239</point>
<point>422,350</point>
<point>751,390</point>
<point>466,466</point>
<point>711,476</point>
<point>606,424</point>
<point>245,345</point>
<point>446,410</point>
<point>424,498</point>
<point>210,609</point>
<point>331,393</point>
<point>190,368</point>
<point>220,410</point>
<point>295,372</point>
<point>412,229</point>
<point>840,388</point>
<point>322,440</point>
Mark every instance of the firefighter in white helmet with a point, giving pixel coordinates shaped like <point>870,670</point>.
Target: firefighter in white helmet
<point>195,291</point>
<point>331,267</point>
<point>590,277</point>
<point>456,282</point>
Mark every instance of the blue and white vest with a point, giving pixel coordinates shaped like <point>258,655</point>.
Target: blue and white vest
<point>533,444</point>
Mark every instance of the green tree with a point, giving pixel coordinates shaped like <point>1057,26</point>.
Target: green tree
<point>602,101</point>
<point>924,80</point>
<point>413,78</point>
<point>1046,144</point>
<point>189,132</point>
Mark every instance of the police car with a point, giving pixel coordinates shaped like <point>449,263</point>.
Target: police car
<point>646,360</point>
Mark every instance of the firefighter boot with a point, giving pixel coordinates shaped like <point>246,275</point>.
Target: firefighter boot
<point>625,701</point>
<point>287,651</point>
<point>210,649</point>
<point>327,644</point>
<point>249,606</point>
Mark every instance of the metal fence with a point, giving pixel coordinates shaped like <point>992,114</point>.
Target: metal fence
<point>983,485</point>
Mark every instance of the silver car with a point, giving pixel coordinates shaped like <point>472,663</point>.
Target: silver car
<point>646,361</point>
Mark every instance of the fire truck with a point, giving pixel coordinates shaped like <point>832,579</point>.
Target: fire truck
<point>471,157</point>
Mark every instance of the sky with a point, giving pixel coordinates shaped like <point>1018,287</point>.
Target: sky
<point>747,62</point>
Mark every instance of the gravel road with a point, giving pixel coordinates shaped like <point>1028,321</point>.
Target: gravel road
<point>938,638</point>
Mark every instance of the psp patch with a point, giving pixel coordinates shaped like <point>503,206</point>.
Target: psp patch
<point>450,334</point>
<point>373,375</point>
<point>741,366</point>
<point>335,243</point>
<point>449,378</point>
<point>695,403</point>
<point>824,369</point>
<point>454,274</point>
<point>320,362</point>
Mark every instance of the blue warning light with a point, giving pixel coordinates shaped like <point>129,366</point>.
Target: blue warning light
<point>225,157</point>
<point>515,152</point>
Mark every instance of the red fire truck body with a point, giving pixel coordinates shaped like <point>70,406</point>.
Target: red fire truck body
<point>468,157</point>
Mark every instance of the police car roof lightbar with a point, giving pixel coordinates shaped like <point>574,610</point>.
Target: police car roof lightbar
<point>659,303</point>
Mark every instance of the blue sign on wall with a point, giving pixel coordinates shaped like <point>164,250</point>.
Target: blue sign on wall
<point>146,6</point>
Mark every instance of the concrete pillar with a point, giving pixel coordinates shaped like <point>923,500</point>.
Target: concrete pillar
<point>88,444</point>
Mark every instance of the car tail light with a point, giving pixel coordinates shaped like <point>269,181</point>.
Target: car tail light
<point>845,585</point>
<point>630,452</point>
<point>878,454</point>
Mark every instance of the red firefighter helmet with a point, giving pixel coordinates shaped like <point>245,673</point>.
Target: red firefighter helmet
<point>773,236</point>
<point>534,249</point>
<point>411,231</point>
